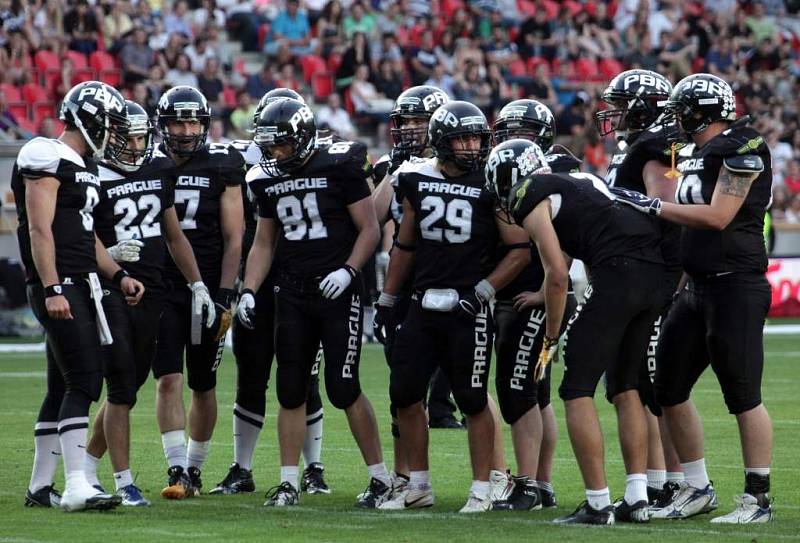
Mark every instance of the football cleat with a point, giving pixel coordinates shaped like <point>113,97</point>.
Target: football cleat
<point>688,502</point>
<point>132,496</point>
<point>47,496</point>
<point>664,496</point>
<point>586,514</point>
<point>237,480</point>
<point>194,477</point>
<point>548,497</point>
<point>525,496</point>
<point>639,512</point>
<point>313,481</point>
<point>501,485</point>
<point>99,488</point>
<point>376,493</point>
<point>748,511</point>
<point>409,498</point>
<point>283,495</point>
<point>446,423</point>
<point>179,486</point>
<point>85,496</point>
<point>476,505</point>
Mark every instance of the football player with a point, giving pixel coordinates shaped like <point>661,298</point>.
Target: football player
<point>134,219</point>
<point>208,201</point>
<point>723,193</point>
<point>317,222</point>
<point>575,213</point>
<point>635,100</point>
<point>447,232</point>
<point>254,350</point>
<point>56,187</point>
<point>519,327</point>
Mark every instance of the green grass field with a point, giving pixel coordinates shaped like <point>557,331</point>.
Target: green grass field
<point>333,518</point>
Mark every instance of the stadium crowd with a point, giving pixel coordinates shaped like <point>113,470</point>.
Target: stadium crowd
<point>355,57</point>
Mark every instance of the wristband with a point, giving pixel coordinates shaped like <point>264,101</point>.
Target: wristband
<point>249,291</point>
<point>550,342</point>
<point>119,276</point>
<point>404,247</point>
<point>387,300</point>
<point>351,270</point>
<point>53,290</point>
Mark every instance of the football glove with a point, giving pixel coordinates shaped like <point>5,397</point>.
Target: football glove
<point>223,302</point>
<point>383,316</point>
<point>640,202</point>
<point>547,355</point>
<point>246,310</point>
<point>337,282</point>
<point>202,305</point>
<point>470,305</point>
<point>126,251</point>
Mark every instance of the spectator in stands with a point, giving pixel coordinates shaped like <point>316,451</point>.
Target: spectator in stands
<point>423,59</point>
<point>333,116</point>
<point>81,26</point>
<point>116,25</point>
<point>780,151</point>
<point>359,20</point>
<point>179,20</point>
<point>677,52</point>
<point>260,82</point>
<point>182,73</point>
<point>65,80</point>
<point>143,17</point>
<point>329,28</point>
<point>472,87</point>
<point>535,37</point>
<point>791,177</point>
<point>9,127</point>
<point>136,58</point>
<point>357,54</point>
<point>793,210</point>
<point>17,62</point>
<point>142,96</point>
<point>388,49</point>
<point>211,84</point>
<point>155,81</point>
<point>168,56</point>
<point>643,57</point>
<point>764,58</point>
<point>48,128</point>
<point>440,78</point>
<point>572,121</point>
<point>445,51</point>
<point>467,51</point>
<point>389,81</point>
<point>369,104</point>
<point>291,32</point>
<point>242,116</point>
<point>216,131</point>
<point>540,88</point>
<point>49,22</point>
<point>502,91</point>
<point>720,60</point>
<point>199,53</point>
<point>390,20</point>
<point>208,14</point>
<point>762,26</point>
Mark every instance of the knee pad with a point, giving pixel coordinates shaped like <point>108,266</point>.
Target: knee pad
<point>314,401</point>
<point>76,404</point>
<point>471,401</point>
<point>121,393</point>
<point>739,405</point>
<point>567,394</point>
<point>667,398</point>
<point>343,396</point>
<point>292,386</point>
<point>51,406</point>
<point>395,430</point>
<point>251,399</point>
<point>393,410</point>
<point>202,383</point>
<point>402,396</point>
<point>514,405</point>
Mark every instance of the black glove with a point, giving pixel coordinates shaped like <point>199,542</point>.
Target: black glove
<point>396,158</point>
<point>384,308</point>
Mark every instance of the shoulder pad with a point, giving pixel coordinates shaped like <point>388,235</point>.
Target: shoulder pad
<point>424,166</point>
<point>255,173</point>
<point>562,163</point>
<point>687,150</point>
<point>240,145</point>
<point>384,158</point>
<point>744,163</point>
<point>105,173</point>
<point>158,153</point>
<point>42,155</point>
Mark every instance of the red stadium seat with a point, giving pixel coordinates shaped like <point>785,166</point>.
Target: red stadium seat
<point>240,66</point>
<point>263,32</point>
<point>100,60</point>
<point>79,60</point>
<point>322,86</point>
<point>535,62</point>
<point>610,67</point>
<point>84,74</point>
<point>46,60</point>
<point>18,109</point>
<point>42,110</point>
<point>312,64</point>
<point>11,92</point>
<point>33,93</point>
<point>229,96</point>
<point>348,102</point>
<point>334,61</point>
<point>518,68</point>
<point>25,124</point>
<point>586,69</point>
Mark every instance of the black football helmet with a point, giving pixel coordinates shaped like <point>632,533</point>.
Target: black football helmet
<point>285,121</point>
<point>508,164</point>
<point>129,158</point>
<point>453,121</point>
<point>699,100</point>
<point>526,119</point>
<point>181,104</point>
<point>635,100</point>
<point>415,103</point>
<point>271,96</point>
<point>97,110</point>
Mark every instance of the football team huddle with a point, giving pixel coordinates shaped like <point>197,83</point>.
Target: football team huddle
<point>143,244</point>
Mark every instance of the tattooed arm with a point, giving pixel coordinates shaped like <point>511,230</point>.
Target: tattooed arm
<point>729,195</point>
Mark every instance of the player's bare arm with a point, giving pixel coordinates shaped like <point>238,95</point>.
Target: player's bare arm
<point>519,255</point>
<point>231,213</point>
<point>657,183</point>
<point>382,197</point>
<point>259,260</point>
<point>362,213</point>
<point>179,246</point>
<point>402,260</point>
<point>132,288</point>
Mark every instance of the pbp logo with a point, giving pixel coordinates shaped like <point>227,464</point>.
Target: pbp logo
<point>434,100</point>
<point>647,79</point>
<point>301,115</point>
<point>102,93</point>
<point>445,117</point>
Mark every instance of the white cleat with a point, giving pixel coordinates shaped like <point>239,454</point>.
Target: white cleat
<point>85,496</point>
<point>410,498</point>
<point>476,505</point>
<point>501,485</point>
<point>747,511</point>
<point>688,502</point>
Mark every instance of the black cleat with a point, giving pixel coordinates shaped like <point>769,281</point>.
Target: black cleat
<point>236,481</point>
<point>524,496</point>
<point>639,512</point>
<point>664,496</point>
<point>283,495</point>
<point>179,486</point>
<point>47,496</point>
<point>585,514</point>
<point>548,498</point>
<point>313,480</point>
<point>376,493</point>
<point>194,478</point>
<point>447,423</point>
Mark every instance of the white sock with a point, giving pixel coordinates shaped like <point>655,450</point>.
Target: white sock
<point>635,488</point>
<point>312,448</point>
<point>544,485</point>
<point>246,429</point>
<point>123,478</point>
<point>656,478</point>
<point>674,476</point>
<point>289,475</point>
<point>72,433</point>
<point>695,473</point>
<point>379,472</point>
<point>419,479</point>
<point>196,453</point>
<point>46,456</point>
<point>757,471</point>
<point>174,443</point>
<point>598,499</point>
<point>90,469</point>
<point>480,489</point>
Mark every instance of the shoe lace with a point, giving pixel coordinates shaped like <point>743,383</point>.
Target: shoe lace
<point>274,493</point>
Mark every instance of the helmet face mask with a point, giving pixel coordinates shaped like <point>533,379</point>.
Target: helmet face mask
<point>410,134</point>
<point>97,111</point>
<point>286,134</point>
<point>134,145</point>
<point>459,134</point>
<point>526,119</point>
<point>409,118</point>
<point>635,100</point>
<point>183,120</point>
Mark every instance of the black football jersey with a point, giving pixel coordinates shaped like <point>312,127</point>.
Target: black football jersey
<point>78,193</point>
<point>316,233</point>
<point>199,186</point>
<point>563,163</point>
<point>627,166</point>
<point>455,225</point>
<point>590,225</point>
<point>132,206</point>
<point>740,246</point>
<point>251,154</point>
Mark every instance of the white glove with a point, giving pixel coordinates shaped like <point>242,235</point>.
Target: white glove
<point>382,260</point>
<point>126,251</point>
<point>246,308</point>
<point>201,301</point>
<point>336,282</point>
